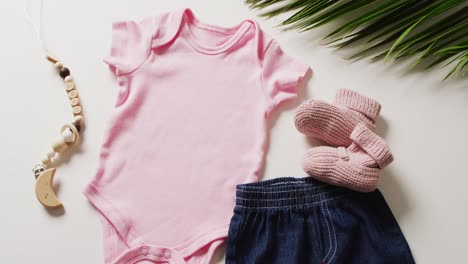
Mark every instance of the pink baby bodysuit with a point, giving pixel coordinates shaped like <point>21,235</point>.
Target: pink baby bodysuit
<point>190,122</point>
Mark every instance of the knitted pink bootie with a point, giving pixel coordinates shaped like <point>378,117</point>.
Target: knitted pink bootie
<point>333,123</point>
<point>356,167</point>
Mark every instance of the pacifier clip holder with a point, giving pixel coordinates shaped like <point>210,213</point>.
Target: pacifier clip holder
<point>69,134</point>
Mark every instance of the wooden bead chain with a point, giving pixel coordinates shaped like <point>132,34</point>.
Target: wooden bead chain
<point>70,134</point>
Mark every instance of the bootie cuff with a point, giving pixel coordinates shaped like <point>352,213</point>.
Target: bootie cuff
<point>374,145</point>
<point>357,102</point>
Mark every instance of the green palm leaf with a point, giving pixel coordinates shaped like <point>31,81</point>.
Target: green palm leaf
<point>442,29</point>
<point>434,30</point>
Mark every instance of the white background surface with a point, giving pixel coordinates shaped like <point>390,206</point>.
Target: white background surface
<point>423,120</point>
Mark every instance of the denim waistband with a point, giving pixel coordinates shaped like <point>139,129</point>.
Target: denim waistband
<point>286,192</point>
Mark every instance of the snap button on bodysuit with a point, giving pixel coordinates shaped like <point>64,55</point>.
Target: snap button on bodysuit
<point>144,251</point>
<point>167,254</point>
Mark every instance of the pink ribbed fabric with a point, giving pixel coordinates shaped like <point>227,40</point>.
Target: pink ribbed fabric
<point>357,102</point>
<point>356,167</point>
<point>372,144</point>
<point>333,123</point>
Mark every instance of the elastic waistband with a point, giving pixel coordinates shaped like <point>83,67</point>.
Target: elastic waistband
<point>286,192</point>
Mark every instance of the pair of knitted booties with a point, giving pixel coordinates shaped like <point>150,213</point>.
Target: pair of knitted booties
<point>355,155</point>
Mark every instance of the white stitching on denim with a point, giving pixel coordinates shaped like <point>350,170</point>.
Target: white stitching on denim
<point>297,205</point>
<point>274,199</point>
<point>334,234</point>
<point>328,228</point>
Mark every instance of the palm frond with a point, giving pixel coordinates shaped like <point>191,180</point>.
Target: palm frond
<point>433,30</point>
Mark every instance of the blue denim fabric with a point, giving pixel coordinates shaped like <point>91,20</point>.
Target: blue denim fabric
<point>290,220</point>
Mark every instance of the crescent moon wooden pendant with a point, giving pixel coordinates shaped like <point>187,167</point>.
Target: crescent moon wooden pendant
<point>45,191</point>
<point>70,134</point>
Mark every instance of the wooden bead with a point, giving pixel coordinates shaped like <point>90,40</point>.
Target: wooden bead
<point>69,86</point>
<point>78,122</point>
<point>78,125</point>
<point>46,161</point>
<point>68,136</point>
<point>64,72</point>
<point>75,101</point>
<point>73,129</point>
<point>79,118</point>
<point>68,79</point>
<point>72,94</point>
<point>51,154</point>
<point>77,110</point>
<point>51,59</point>
<point>58,65</point>
<point>59,145</point>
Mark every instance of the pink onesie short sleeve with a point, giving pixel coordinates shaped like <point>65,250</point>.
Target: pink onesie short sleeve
<point>130,46</point>
<point>281,74</point>
<point>191,124</point>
